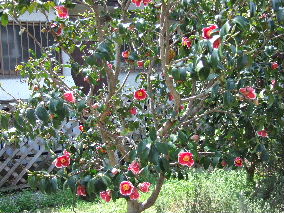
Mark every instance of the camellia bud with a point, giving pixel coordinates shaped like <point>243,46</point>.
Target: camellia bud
<point>274,66</point>
<point>195,138</point>
<point>140,63</point>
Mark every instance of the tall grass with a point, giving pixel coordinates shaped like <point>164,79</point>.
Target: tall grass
<point>201,192</point>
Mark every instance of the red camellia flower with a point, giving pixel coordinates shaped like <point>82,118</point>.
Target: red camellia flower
<point>146,2</point>
<point>109,65</point>
<point>66,153</point>
<point>171,97</point>
<point>195,138</point>
<point>59,31</point>
<point>140,94</point>
<point>134,167</point>
<point>81,127</point>
<point>248,92</point>
<point>262,133</point>
<point>186,42</point>
<point>81,190</point>
<point>238,162</point>
<point>62,11</point>
<point>126,188</point>
<point>134,195</point>
<point>133,110</point>
<point>95,106</point>
<point>69,96</point>
<point>114,171</point>
<point>274,65</point>
<point>224,163</point>
<point>138,2</point>
<point>144,187</point>
<point>125,54</point>
<point>101,149</point>
<point>62,161</point>
<point>106,195</point>
<point>273,83</point>
<point>207,31</point>
<point>217,43</point>
<point>186,159</point>
<point>140,63</point>
<point>181,107</point>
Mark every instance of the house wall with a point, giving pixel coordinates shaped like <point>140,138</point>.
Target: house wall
<point>18,88</point>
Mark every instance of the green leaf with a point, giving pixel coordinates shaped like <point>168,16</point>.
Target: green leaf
<point>52,105</point>
<point>164,164</point>
<point>19,123</point>
<point>42,185</point>
<point>215,90</point>
<point>100,185</point>
<point>225,29</point>
<point>153,134</point>
<point>242,22</point>
<point>92,60</point>
<point>215,161</point>
<point>91,186</point>
<point>81,105</point>
<point>4,19</point>
<point>4,121</point>
<point>31,116</point>
<point>231,85</point>
<point>154,154</point>
<point>179,74</point>
<point>182,137</point>
<point>42,114</point>
<point>214,60</point>
<point>228,98</point>
<point>271,24</point>
<point>106,180</point>
<point>72,183</point>
<point>203,69</point>
<point>133,56</point>
<point>32,181</point>
<point>162,147</point>
<point>252,8</point>
<point>54,184</point>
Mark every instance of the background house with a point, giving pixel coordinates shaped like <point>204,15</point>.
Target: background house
<point>14,49</point>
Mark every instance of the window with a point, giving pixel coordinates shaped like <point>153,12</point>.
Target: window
<point>15,45</point>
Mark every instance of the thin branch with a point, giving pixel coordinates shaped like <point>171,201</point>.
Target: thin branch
<point>150,89</point>
<point>152,199</point>
<point>4,90</point>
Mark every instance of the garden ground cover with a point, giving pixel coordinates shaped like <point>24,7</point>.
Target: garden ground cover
<point>202,191</point>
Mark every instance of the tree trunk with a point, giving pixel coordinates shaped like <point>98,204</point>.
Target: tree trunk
<point>133,206</point>
<point>250,174</point>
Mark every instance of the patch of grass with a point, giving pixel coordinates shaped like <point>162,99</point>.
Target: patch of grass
<point>30,201</point>
<point>215,191</point>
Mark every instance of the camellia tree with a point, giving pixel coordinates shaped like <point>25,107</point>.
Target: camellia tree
<point>209,94</point>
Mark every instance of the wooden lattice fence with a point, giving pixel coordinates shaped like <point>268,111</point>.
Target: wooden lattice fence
<point>16,160</point>
<point>30,155</point>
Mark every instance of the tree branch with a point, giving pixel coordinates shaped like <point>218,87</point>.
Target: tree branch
<point>152,199</point>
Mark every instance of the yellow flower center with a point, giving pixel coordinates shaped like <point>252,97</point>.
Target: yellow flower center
<point>238,162</point>
<point>63,160</point>
<point>209,32</point>
<point>126,187</point>
<point>186,158</point>
<point>140,94</point>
